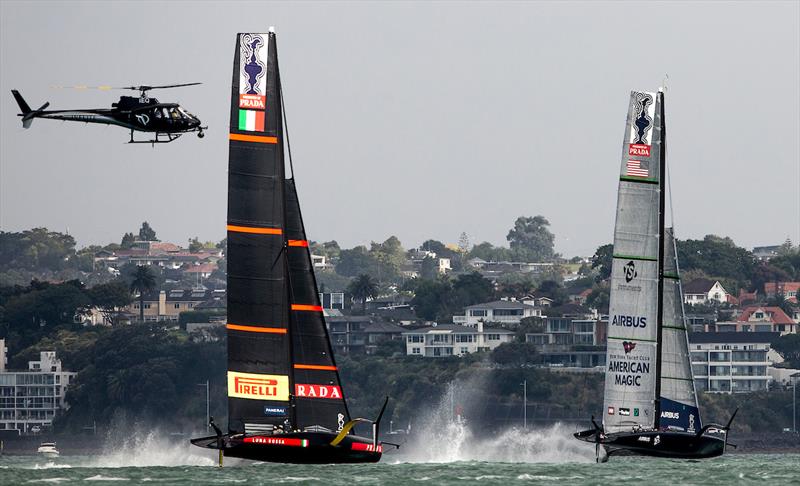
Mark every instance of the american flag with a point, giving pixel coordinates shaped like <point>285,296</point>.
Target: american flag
<point>635,169</point>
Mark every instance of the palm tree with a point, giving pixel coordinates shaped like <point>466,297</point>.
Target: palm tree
<point>362,288</point>
<point>143,281</point>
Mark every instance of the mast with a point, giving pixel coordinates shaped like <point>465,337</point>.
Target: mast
<point>662,162</point>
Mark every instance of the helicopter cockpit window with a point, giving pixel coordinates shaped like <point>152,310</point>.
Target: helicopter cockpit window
<point>157,113</point>
<point>186,114</point>
<point>165,112</point>
<point>176,115</point>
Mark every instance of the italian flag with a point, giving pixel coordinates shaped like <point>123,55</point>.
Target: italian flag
<point>252,121</point>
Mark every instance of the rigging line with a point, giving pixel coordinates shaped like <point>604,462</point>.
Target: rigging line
<point>285,125</point>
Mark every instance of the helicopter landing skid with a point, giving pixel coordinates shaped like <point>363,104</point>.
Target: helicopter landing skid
<point>170,137</point>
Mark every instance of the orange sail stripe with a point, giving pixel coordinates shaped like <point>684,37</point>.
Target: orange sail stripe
<point>306,307</point>
<point>253,138</point>
<point>298,243</point>
<point>270,330</point>
<point>252,229</point>
<point>314,367</point>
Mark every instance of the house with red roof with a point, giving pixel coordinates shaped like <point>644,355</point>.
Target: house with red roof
<point>789,290</point>
<point>766,319</point>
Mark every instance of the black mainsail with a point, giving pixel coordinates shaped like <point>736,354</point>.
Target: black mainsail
<point>650,404</point>
<point>285,399</point>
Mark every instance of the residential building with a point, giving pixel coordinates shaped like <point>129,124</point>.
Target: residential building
<point>764,253</point>
<point>444,340</point>
<point>332,300</point>
<point>167,306</point>
<point>703,290</point>
<point>509,312</point>
<point>570,342</point>
<point>29,400</point>
<point>359,334</point>
<point>569,331</point>
<point>731,362</point>
<point>392,301</point>
<point>789,290</point>
<point>765,319</point>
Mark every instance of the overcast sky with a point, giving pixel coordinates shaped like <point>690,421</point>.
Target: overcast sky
<point>421,120</point>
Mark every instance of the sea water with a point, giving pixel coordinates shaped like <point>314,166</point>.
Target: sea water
<point>544,456</point>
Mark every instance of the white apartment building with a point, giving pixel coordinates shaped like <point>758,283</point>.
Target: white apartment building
<point>502,311</point>
<point>453,340</point>
<point>29,400</point>
<point>731,362</point>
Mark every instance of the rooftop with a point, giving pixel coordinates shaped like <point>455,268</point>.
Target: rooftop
<point>456,329</point>
<point>775,314</point>
<point>501,304</point>
<point>699,286</point>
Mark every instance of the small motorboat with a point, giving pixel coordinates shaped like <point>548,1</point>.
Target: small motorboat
<point>48,449</point>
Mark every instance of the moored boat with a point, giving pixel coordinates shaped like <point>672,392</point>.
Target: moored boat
<point>48,449</point>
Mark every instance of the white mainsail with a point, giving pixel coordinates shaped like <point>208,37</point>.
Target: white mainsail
<point>630,386</point>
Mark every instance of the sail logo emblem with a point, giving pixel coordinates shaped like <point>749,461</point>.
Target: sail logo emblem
<point>641,132</point>
<point>630,271</point>
<point>252,82</point>
<point>628,346</point>
<point>643,121</point>
<point>318,391</point>
<point>254,386</point>
<point>611,410</point>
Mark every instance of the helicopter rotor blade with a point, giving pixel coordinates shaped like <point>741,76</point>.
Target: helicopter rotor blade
<point>147,87</point>
<point>82,87</point>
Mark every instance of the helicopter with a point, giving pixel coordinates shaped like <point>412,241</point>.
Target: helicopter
<point>167,120</point>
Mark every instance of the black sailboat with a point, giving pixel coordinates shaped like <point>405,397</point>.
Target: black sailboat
<point>650,405</point>
<point>285,400</point>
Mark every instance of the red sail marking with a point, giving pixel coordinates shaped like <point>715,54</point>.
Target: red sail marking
<point>306,307</point>
<point>254,230</point>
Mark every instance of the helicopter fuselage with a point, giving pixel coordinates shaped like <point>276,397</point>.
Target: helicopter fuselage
<point>134,113</point>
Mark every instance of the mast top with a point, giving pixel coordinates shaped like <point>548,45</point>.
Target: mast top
<point>271,29</point>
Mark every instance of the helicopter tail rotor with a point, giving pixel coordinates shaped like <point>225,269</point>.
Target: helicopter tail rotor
<point>27,114</point>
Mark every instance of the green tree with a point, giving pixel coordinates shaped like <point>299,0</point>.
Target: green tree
<point>127,240</point>
<point>717,257</point>
<point>515,354</point>
<point>363,288</point>
<point>195,245</point>
<point>35,249</point>
<point>531,240</point>
<point>429,268</point>
<point>110,298</point>
<point>146,233</point>
<point>788,346</point>
<point>486,251</point>
<point>433,300</point>
<point>599,299</point>
<point>357,261</point>
<point>553,290</point>
<point>472,288</point>
<point>602,260</point>
<point>143,282</point>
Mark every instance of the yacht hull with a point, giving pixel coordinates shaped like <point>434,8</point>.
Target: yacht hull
<point>297,448</point>
<point>669,444</point>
